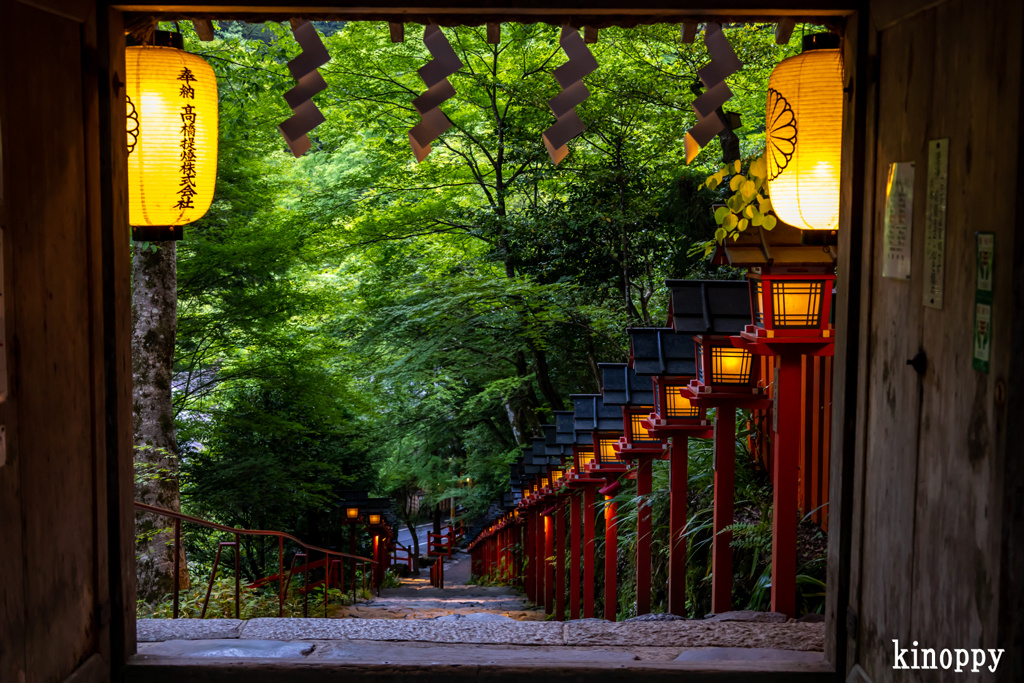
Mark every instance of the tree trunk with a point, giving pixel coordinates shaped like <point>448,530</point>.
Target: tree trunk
<point>154,326</point>
<point>415,546</point>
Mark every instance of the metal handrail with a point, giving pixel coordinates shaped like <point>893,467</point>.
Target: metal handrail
<point>179,517</point>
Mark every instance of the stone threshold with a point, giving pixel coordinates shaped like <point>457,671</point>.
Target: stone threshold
<point>175,670</point>
<point>794,636</point>
<point>311,650</point>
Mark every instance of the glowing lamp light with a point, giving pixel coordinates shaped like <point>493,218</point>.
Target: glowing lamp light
<point>638,433</point>
<point>352,513</point>
<point>804,134</point>
<point>172,137</point>
<point>792,302</point>
<point>584,457</point>
<point>719,363</point>
<point>606,450</point>
<point>374,519</point>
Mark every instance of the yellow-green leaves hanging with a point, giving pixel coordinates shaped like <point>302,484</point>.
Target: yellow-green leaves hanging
<point>748,205</point>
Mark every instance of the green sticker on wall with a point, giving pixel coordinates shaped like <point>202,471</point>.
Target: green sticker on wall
<point>985,245</point>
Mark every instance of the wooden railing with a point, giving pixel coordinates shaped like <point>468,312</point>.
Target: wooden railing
<point>331,557</point>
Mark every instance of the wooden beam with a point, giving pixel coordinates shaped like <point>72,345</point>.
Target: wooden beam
<point>689,31</point>
<point>590,34</point>
<point>204,29</point>
<point>493,33</point>
<point>784,30</point>
<point>397,30</point>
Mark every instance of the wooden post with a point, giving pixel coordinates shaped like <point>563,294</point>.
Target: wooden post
<point>643,537</point>
<point>784,477</point>
<point>530,580</point>
<point>588,552</point>
<point>538,548</point>
<point>238,575</point>
<point>560,563</point>
<point>280,576</point>
<point>377,568</point>
<point>611,549</point>
<point>721,558</point>
<point>576,520</point>
<point>549,567</point>
<point>176,579</point>
<point>677,525</point>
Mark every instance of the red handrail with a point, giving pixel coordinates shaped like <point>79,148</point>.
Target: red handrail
<point>179,517</point>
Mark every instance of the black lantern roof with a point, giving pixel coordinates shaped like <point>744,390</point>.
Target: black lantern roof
<point>623,387</point>
<point>592,414</point>
<point>661,351</point>
<point>514,474</point>
<point>535,455</point>
<point>541,456</point>
<point>719,307</point>
<point>565,433</point>
<point>552,446</point>
<point>529,468</point>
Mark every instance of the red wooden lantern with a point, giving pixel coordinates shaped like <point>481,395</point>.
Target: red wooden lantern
<point>792,303</point>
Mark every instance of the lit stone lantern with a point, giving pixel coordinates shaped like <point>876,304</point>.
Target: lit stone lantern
<point>667,357</point>
<point>635,393</point>
<point>712,311</point>
<point>172,137</point>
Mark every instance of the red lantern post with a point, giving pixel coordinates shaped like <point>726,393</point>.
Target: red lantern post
<point>677,420</point>
<point>791,309</point>
<point>726,380</point>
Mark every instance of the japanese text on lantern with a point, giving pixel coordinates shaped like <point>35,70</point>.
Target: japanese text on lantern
<point>187,186</point>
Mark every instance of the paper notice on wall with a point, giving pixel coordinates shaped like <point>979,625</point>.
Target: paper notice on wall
<point>935,223</point>
<point>985,248</point>
<point>899,220</point>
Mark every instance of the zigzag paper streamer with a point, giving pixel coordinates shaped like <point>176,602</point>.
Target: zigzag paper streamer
<point>303,68</point>
<point>435,75</point>
<point>724,62</point>
<point>570,76</point>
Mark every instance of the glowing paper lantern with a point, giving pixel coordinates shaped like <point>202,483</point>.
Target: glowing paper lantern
<point>172,162</point>
<point>804,123</point>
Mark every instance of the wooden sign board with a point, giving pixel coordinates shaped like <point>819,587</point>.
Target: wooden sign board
<point>899,221</point>
<point>935,223</point>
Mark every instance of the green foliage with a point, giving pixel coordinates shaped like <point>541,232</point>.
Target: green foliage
<point>748,205</point>
<point>255,603</point>
<point>353,319</point>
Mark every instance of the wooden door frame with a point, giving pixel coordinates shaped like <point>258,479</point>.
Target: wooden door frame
<point>852,303</point>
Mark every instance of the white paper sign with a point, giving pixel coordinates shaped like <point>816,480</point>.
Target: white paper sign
<point>899,220</point>
<point>935,223</point>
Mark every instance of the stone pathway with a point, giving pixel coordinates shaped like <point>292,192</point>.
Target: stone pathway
<point>423,627</point>
<point>417,599</point>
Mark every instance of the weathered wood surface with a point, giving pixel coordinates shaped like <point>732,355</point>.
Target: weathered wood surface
<point>49,309</point>
<point>852,313</point>
<point>893,391</point>
<point>75,10</point>
<point>958,516</point>
<point>12,597</point>
<point>116,325</point>
<point>927,501</point>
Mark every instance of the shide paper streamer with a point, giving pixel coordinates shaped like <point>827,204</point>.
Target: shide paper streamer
<point>724,63</point>
<point>303,68</point>
<point>435,75</point>
<point>570,76</point>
